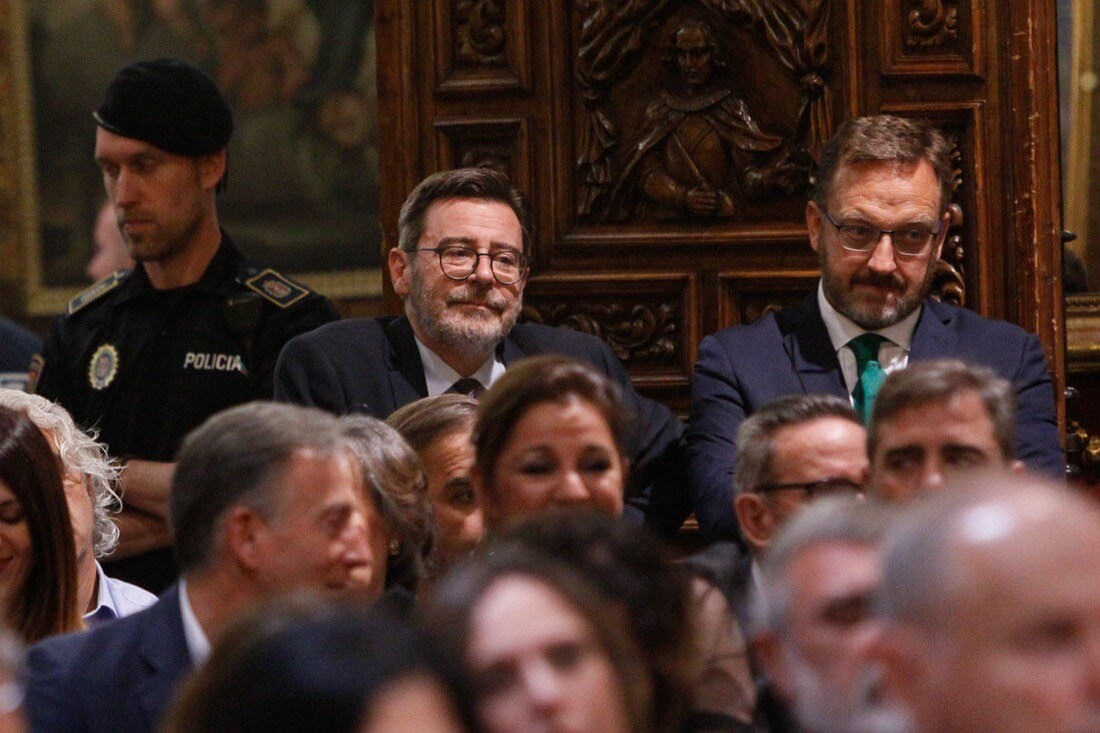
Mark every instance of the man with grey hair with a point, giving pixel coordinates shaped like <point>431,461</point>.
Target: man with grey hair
<point>88,475</point>
<point>814,627</point>
<point>462,260</point>
<point>935,419</point>
<point>990,606</point>
<point>877,221</point>
<point>265,499</point>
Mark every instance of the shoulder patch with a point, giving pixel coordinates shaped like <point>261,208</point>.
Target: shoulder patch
<point>97,291</point>
<point>276,288</point>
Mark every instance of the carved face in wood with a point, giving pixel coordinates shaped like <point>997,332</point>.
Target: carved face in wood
<point>694,56</point>
<point>460,320</point>
<point>881,287</point>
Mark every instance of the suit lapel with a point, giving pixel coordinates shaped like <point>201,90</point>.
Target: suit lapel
<point>510,352</point>
<point>164,651</point>
<point>807,343</point>
<point>407,382</point>
<point>933,338</point>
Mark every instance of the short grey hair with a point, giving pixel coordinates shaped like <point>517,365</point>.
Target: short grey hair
<point>237,458</point>
<point>395,483</point>
<point>756,436</point>
<point>940,380</point>
<point>831,520</point>
<point>80,452</point>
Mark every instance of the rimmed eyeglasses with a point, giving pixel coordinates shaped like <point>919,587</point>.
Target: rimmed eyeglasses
<point>458,262</point>
<point>911,240</point>
<point>830,486</point>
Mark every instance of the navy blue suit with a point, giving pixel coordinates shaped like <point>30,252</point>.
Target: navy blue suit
<point>116,678</point>
<point>373,366</point>
<point>742,368</point>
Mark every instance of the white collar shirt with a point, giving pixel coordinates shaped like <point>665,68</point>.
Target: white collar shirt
<point>440,377</point>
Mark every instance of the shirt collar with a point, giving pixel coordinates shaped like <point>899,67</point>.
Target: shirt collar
<point>198,645</point>
<point>217,278</point>
<point>440,377</point>
<point>843,329</point>
<point>104,603</point>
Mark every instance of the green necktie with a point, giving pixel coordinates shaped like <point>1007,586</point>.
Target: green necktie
<point>871,373</point>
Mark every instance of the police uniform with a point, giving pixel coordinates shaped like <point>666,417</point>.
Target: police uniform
<point>146,366</point>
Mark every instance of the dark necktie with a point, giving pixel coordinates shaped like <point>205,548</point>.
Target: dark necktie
<point>871,374</point>
<point>467,386</point>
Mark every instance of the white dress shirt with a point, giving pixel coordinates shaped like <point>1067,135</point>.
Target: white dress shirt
<point>440,377</point>
<point>198,645</point>
<point>893,354</point>
<point>115,599</point>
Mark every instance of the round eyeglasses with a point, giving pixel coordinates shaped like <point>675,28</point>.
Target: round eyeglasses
<point>831,486</point>
<point>509,266</point>
<point>911,240</point>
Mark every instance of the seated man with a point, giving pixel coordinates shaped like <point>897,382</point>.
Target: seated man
<point>460,266</point>
<point>792,451</point>
<point>815,629</point>
<point>937,418</point>
<point>89,477</point>
<point>877,220</point>
<point>991,609</point>
<point>265,499</point>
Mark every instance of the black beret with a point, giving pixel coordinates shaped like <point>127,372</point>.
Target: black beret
<point>168,103</point>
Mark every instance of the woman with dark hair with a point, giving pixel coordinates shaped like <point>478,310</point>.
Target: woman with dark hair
<point>37,555</point>
<point>400,526</point>
<point>299,664</point>
<point>543,649</point>
<point>550,433</point>
<point>439,429</point>
<point>550,436</point>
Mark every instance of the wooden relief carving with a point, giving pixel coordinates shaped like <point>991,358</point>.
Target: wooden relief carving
<point>949,283</point>
<point>481,33</point>
<point>636,333</point>
<point>496,144</point>
<point>749,295</point>
<point>698,151</point>
<point>931,22</point>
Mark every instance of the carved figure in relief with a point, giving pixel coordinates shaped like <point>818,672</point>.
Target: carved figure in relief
<point>698,151</point>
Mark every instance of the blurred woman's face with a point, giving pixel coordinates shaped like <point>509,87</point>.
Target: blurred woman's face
<point>538,665</point>
<point>369,580</point>
<point>15,545</point>
<point>447,463</point>
<point>558,455</point>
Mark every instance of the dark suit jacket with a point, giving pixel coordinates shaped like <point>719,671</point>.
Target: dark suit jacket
<point>373,366</point>
<point>743,368</point>
<point>116,678</point>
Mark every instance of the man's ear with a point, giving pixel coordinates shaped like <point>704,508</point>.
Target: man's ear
<point>212,169</point>
<point>945,224</point>
<point>756,519</point>
<point>813,224</point>
<point>245,537</point>
<point>399,271</point>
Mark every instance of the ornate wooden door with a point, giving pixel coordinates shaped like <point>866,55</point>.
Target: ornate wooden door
<point>667,146</point>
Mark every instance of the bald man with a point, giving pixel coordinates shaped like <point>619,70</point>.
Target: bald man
<point>991,610</point>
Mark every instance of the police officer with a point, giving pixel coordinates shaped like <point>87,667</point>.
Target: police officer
<point>147,354</point>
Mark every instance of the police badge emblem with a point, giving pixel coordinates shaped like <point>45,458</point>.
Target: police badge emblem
<point>103,366</point>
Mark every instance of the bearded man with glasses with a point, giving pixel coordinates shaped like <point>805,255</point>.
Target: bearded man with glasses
<point>461,263</point>
<point>877,220</point>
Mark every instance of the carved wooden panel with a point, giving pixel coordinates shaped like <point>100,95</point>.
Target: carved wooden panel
<point>932,38</point>
<point>748,295</point>
<point>482,46</point>
<point>704,113</point>
<point>643,316</point>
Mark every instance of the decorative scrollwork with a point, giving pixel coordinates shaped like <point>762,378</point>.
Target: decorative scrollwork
<point>932,23</point>
<point>635,333</point>
<point>481,34</point>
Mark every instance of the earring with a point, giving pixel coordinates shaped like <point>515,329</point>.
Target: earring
<point>395,547</point>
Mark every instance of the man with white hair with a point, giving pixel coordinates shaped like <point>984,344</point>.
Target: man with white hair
<point>815,629</point>
<point>991,610</point>
<point>88,475</point>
